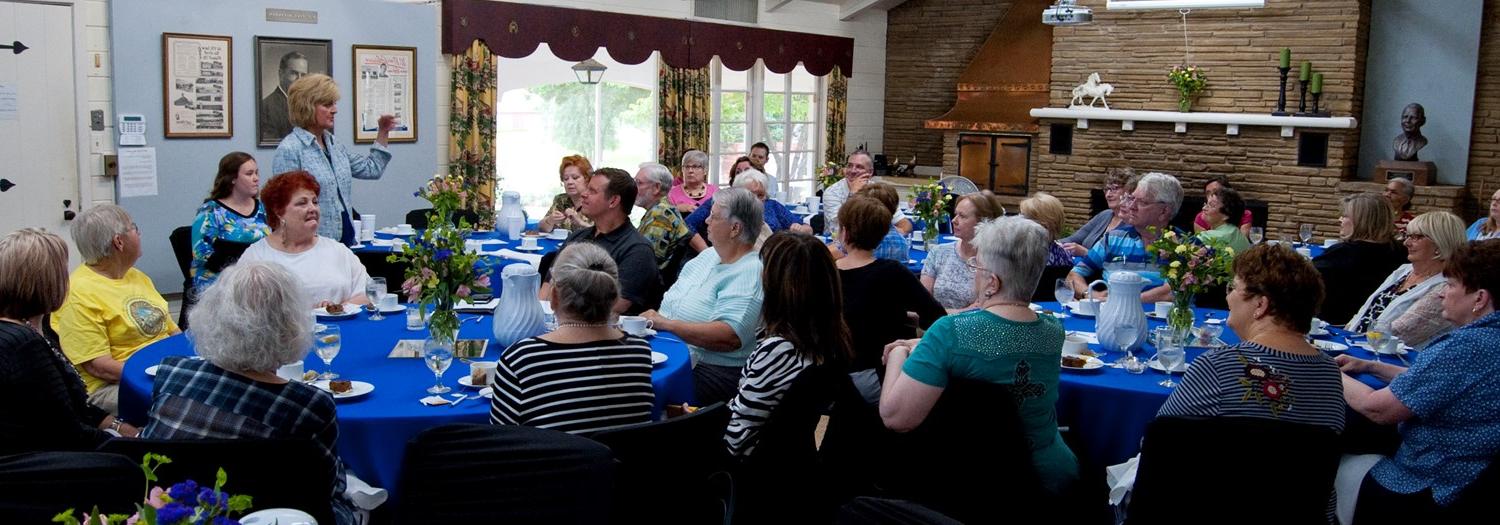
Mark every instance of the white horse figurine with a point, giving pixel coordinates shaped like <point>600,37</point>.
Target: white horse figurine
<point>1094,89</point>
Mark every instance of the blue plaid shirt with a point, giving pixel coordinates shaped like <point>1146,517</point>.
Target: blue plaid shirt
<point>335,170</point>
<point>194,399</point>
<point>1120,250</point>
<point>894,246</point>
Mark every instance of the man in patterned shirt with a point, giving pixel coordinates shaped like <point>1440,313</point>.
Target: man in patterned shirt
<point>662,225</point>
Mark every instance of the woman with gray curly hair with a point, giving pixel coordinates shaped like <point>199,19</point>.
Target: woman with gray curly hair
<point>586,376</point>
<point>112,309</point>
<point>695,188</point>
<point>246,326</point>
<point>715,304</point>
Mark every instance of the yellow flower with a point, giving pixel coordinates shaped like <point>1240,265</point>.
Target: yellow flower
<point>1182,248</point>
<point>1176,264</point>
<point>1229,250</point>
<point>948,197</point>
<point>1172,274</point>
<point>1171,234</point>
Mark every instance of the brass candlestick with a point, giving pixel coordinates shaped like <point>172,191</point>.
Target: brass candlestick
<point>1281,97</point>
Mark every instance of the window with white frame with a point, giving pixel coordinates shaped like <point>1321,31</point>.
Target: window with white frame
<point>785,111</point>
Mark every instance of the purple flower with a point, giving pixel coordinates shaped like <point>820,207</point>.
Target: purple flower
<point>172,513</point>
<point>185,493</point>
<point>442,255</point>
<point>225,520</point>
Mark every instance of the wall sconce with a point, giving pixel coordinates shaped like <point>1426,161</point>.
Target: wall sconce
<point>589,71</point>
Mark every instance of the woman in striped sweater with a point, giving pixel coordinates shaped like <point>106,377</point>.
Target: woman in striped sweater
<point>804,328</point>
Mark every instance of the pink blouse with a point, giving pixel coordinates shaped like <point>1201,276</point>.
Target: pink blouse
<point>679,197</point>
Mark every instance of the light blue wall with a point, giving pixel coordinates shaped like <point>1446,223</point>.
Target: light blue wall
<point>186,166</point>
<point>1427,52</point>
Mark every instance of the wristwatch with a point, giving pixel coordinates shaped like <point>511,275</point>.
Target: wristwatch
<point>115,425</point>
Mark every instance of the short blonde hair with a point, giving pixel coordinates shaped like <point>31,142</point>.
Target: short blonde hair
<point>306,94</point>
<point>1445,229</point>
<point>1371,215</point>
<point>33,273</point>
<point>1046,210</point>
<point>95,229</point>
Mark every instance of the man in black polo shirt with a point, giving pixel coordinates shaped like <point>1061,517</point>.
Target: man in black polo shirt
<point>607,200</point>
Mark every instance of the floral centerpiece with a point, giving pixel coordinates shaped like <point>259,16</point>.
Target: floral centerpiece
<point>1190,266</point>
<point>930,203</point>
<point>182,504</point>
<point>1190,81</point>
<point>439,271</point>
<point>829,174</point>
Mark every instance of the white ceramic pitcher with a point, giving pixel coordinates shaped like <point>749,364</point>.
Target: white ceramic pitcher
<point>518,315</point>
<point>1122,308</point>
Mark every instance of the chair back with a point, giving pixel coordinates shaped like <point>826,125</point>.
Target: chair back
<point>1473,503</point>
<point>38,485</point>
<point>182,247</point>
<point>676,456</point>
<point>866,510</point>
<point>958,185</point>
<point>291,473</point>
<point>783,478</point>
<point>1202,470</point>
<point>466,473</point>
<point>678,256</point>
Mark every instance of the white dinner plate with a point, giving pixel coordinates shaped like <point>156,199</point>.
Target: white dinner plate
<point>357,246</point>
<point>1152,314</point>
<point>356,389</point>
<point>658,358</point>
<point>395,231</point>
<point>396,309</point>
<point>558,236</point>
<point>151,370</point>
<point>1366,345</point>
<point>487,393</point>
<point>350,310</point>
<point>649,332</point>
<point>1330,346</point>
<point>1093,364</point>
<point>525,249</point>
<point>468,382</point>
<point>1156,365</point>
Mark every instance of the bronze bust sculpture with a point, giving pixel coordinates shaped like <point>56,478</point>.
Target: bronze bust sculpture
<point>1410,140</point>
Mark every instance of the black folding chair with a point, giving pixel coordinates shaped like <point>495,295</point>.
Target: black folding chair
<point>677,456</point>
<point>290,473</point>
<point>182,247</point>
<point>783,478</point>
<point>36,486</point>
<point>866,510</point>
<point>468,473</point>
<point>1234,470</point>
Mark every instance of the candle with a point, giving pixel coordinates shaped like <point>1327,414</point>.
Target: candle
<point>1317,83</point>
<point>1306,71</point>
<point>1286,58</point>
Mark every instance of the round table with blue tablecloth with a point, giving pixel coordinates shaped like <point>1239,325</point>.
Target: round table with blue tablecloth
<point>1108,409</point>
<point>374,429</point>
<point>373,255</point>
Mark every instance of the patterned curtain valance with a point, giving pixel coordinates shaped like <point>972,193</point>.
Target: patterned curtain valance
<point>515,30</point>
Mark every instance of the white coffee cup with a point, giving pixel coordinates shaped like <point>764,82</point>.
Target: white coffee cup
<point>1074,344</point>
<point>480,372</point>
<point>635,324</point>
<point>356,226</point>
<point>404,228</point>
<point>1328,243</point>
<point>290,371</point>
<point>559,234</point>
<point>1305,252</point>
<point>367,226</point>
<point>387,302</point>
<point>1162,308</point>
<point>529,243</point>
<point>1089,306</point>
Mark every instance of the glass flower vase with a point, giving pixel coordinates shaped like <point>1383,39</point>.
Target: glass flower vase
<point>1180,317</point>
<point>1185,103</point>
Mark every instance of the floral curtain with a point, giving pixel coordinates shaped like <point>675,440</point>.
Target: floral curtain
<point>685,99</point>
<point>471,128</point>
<point>838,108</point>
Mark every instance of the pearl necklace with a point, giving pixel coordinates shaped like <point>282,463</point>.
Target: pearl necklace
<point>574,324</point>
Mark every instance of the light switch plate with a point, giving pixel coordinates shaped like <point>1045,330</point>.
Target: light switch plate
<point>96,120</point>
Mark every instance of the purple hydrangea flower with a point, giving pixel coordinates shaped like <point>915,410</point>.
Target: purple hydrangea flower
<point>442,255</point>
<point>173,512</point>
<point>185,493</point>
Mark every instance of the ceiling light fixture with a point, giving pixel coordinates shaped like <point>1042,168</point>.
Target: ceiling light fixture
<point>1067,13</point>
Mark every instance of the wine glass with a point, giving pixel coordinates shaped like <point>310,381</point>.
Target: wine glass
<point>1063,293</point>
<point>1305,233</point>
<point>1171,356</point>
<point>1257,233</point>
<point>438,356</point>
<point>326,342</point>
<point>1125,336</point>
<point>374,289</point>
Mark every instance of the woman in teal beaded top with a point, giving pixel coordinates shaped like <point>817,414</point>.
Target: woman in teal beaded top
<point>1002,342</point>
<point>230,213</point>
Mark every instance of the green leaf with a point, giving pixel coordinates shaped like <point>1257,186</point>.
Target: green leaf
<point>148,513</point>
<point>65,517</point>
<point>239,503</point>
<point>219,480</point>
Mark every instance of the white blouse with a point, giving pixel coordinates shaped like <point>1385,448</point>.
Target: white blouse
<point>328,271</point>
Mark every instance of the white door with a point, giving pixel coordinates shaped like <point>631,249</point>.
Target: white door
<point>38,148</point>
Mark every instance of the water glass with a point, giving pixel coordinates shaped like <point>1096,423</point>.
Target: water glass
<point>1062,292</point>
<point>326,342</point>
<point>1170,356</point>
<point>1305,233</point>
<point>1257,234</point>
<point>438,356</point>
<point>1125,336</point>
<point>374,289</point>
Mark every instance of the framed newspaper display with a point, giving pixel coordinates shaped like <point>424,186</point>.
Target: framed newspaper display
<point>197,86</point>
<point>385,83</point>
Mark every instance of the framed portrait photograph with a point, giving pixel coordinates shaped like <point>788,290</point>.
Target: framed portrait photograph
<point>197,84</point>
<point>278,63</point>
<point>385,83</point>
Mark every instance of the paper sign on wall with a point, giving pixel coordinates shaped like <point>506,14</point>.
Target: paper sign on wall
<point>10,106</point>
<point>137,172</point>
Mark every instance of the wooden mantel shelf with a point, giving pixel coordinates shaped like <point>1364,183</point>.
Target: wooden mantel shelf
<point>1230,121</point>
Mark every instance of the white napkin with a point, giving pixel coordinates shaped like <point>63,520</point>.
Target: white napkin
<point>436,401</point>
<point>529,258</point>
<point>1351,473</point>
<point>1121,479</point>
<point>464,304</point>
<point>380,242</point>
<point>1092,338</point>
<point>362,494</point>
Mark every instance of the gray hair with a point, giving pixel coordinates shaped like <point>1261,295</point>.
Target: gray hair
<point>742,208</point>
<point>660,175</point>
<point>1407,188</point>
<point>1164,188</point>
<point>748,176</point>
<point>252,319</point>
<point>586,282</point>
<point>95,229</point>
<point>1015,250</point>
<point>695,157</point>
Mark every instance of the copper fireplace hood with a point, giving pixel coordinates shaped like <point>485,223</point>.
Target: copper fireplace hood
<point>1009,75</point>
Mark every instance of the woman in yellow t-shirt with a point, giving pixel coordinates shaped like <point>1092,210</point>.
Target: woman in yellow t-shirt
<point>112,309</point>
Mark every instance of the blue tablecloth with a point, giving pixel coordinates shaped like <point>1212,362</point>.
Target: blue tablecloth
<point>1109,408</point>
<point>374,429</point>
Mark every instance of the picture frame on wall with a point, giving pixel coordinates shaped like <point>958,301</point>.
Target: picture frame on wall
<point>197,85</point>
<point>279,62</point>
<point>385,83</point>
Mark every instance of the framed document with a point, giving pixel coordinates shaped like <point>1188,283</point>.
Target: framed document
<point>385,83</point>
<point>197,86</point>
<point>278,63</point>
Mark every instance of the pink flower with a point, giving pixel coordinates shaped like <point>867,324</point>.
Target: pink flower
<point>154,499</point>
<point>412,287</point>
<point>1190,279</point>
<point>483,281</point>
<point>463,290</point>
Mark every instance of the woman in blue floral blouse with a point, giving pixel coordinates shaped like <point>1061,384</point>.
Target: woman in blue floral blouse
<point>232,212</point>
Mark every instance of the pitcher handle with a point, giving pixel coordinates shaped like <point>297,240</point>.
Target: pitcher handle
<point>1093,287</point>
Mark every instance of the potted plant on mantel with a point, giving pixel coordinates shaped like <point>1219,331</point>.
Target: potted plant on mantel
<point>1190,81</point>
